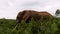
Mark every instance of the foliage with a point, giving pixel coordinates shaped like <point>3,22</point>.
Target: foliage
<point>43,26</point>
<point>57,12</point>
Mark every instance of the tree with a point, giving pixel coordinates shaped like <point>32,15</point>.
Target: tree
<point>57,12</point>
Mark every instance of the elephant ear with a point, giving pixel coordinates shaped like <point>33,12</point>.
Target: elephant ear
<point>25,17</point>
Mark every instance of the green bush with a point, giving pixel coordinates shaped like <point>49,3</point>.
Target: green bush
<point>43,26</point>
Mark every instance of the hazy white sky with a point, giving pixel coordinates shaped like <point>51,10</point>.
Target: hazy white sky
<point>10,8</point>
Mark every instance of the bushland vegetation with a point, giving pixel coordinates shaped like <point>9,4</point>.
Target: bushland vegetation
<point>43,26</point>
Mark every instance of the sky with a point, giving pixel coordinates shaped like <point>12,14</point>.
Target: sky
<point>10,8</point>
